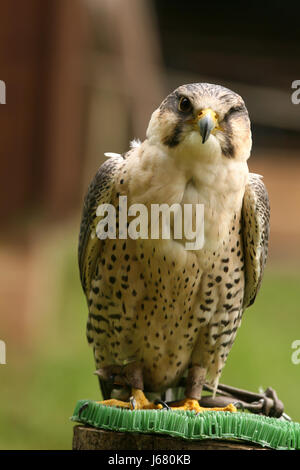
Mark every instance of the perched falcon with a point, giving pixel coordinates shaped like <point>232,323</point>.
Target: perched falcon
<point>158,312</point>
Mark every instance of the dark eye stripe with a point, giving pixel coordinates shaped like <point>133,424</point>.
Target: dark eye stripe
<point>174,139</point>
<point>234,109</point>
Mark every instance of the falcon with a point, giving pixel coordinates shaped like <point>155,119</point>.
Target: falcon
<point>159,312</point>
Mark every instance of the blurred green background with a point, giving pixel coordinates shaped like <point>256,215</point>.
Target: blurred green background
<point>82,78</point>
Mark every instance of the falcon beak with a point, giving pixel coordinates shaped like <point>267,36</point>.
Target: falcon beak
<point>207,121</point>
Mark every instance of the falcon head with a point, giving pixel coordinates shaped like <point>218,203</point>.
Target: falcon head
<point>204,121</point>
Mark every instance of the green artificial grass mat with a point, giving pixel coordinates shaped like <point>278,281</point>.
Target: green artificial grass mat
<point>268,432</point>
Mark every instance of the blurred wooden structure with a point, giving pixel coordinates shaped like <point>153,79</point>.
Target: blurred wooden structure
<point>75,73</point>
<point>40,50</point>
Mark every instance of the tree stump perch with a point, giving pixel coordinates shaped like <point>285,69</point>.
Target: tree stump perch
<point>89,438</point>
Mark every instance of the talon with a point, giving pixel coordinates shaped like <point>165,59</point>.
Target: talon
<point>140,401</point>
<point>239,405</point>
<point>163,403</point>
<point>133,403</point>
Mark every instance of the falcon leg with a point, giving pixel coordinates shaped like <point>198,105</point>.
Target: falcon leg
<point>194,385</point>
<point>131,375</point>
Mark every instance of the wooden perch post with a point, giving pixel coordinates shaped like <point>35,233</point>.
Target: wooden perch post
<point>88,438</point>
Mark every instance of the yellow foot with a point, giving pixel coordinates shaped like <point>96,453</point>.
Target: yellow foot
<point>114,402</point>
<point>193,405</point>
<point>138,401</point>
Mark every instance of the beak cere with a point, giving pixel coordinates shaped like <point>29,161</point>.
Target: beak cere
<point>207,121</point>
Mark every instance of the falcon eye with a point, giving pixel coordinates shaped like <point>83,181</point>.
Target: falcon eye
<point>184,105</point>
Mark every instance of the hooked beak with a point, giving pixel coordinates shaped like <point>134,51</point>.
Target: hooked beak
<point>207,121</point>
